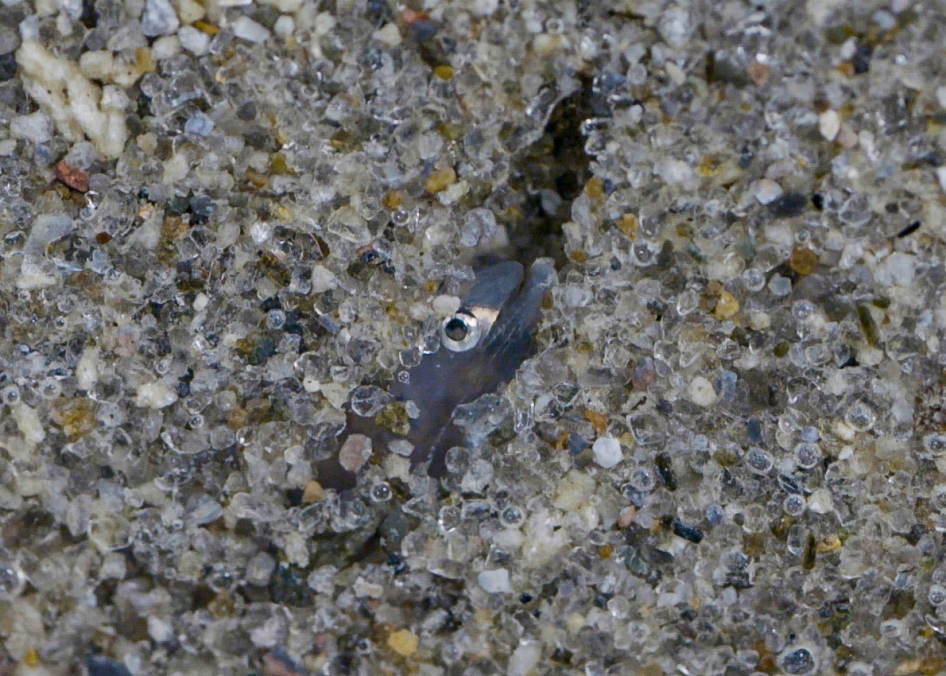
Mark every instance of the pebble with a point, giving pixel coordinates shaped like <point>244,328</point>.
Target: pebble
<point>675,26</point>
<point>789,205</point>
<point>247,29</point>
<point>9,40</point>
<point>323,279</point>
<point>899,268</point>
<point>7,67</point>
<point>313,492</point>
<point>189,11</point>
<point>441,178</point>
<point>847,137</point>
<point>820,501</point>
<point>355,452</point>
<point>194,41</point>
<point>199,124</point>
<point>607,452</point>
<point>765,190</point>
<point>165,47</point>
<point>388,35</point>
<point>495,581</point>
<point>675,73</point>
<point>829,124</point>
<point>28,422</point>
<point>404,642</point>
<point>158,18</point>
<point>35,127</point>
<point>159,630</point>
<point>102,666</point>
<point>673,171</point>
<point>72,176</point>
<point>701,392</point>
<point>780,286</point>
<point>803,260</point>
<point>285,26</point>
<point>445,305</point>
<point>941,177</point>
<point>484,7</point>
<point>401,447</point>
<point>727,306</point>
<point>155,395</point>
<point>525,658</point>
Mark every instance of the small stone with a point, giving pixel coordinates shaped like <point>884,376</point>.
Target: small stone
<point>401,447</point>
<point>441,178</point>
<point>159,630</point>
<point>404,642</point>
<point>765,190</point>
<point>355,452</point>
<point>323,279</point>
<point>313,492</point>
<point>199,124</point>
<point>675,26</point>
<point>98,64</point>
<point>607,452</point>
<point>673,171</point>
<point>166,47</point>
<point>847,137</point>
<point>525,658</point>
<point>495,581</point>
<point>701,392</point>
<point>629,225</point>
<point>726,306</point>
<point>28,422</point>
<point>75,416</point>
<point>247,29</point>
<point>644,374</point>
<point>388,35</point>
<point>788,205</point>
<point>941,96</point>
<point>780,286</point>
<point>189,11</point>
<point>72,176</point>
<point>803,261</point>
<point>194,41</point>
<point>829,124</point>
<point>9,40</point>
<point>758,73</point>
<point>101,666</point>
<point>155,395</point>
<point>820,501</point>
<point>799,661</point>
<point>941,177</point>
<point>675,73</point>
<point>545,45</point>
<point>36,127</point>
<point>574,490</point>
<point>897,269</point>
<point>158,18</point>
<point>484,7</point>
<point>7,67</point>
<point>445,305</point>
<point>260,569</point>
<point>285,26</point>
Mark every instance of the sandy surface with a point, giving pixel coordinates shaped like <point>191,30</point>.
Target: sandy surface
<point>223,224</point>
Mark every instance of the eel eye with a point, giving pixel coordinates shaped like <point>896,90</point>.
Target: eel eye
<point>460,332</point>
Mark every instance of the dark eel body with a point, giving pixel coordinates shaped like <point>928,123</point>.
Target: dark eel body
<point>483,345</point>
